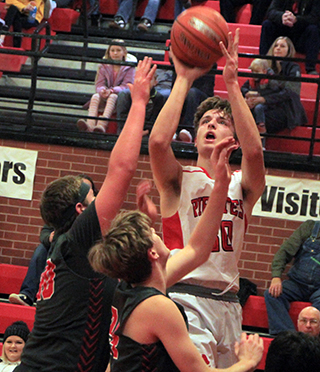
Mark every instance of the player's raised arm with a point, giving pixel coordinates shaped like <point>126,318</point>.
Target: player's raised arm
<point>124,156</point>
<point>253,172</point>
<point>166,169</point>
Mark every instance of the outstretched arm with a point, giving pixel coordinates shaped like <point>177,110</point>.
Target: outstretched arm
<point>173,333</point>
<point>201,241</point>
<point>124,156</point>
<point>166,169</point>
<point>252,165</point>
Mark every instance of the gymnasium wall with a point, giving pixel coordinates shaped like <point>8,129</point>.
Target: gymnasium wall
<point>20,220</point>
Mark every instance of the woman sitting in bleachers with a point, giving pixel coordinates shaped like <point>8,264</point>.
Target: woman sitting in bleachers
<point>22,14</point>
<point>278,101</point>
<point>14,340</point>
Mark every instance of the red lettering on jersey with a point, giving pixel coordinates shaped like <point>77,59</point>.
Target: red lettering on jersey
<point>195,207</point>
<point>241,213</point>
<point>46,286</point>
<point>216,247</point>
<point>199,205</point>
<point>113,338</point>
<point>234,207</point>
<point>226,235</point>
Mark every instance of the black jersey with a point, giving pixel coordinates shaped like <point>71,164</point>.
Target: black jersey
<point>73,313</point>
<point>127,354</point>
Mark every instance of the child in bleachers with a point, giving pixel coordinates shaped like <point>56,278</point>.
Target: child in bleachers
<point>14,340</point>
<point>110,81</point>
<point>19,15</point>
<point>256,88</point>
<point>274,106</point>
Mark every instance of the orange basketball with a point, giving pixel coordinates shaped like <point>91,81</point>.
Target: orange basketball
<point>195,36</point>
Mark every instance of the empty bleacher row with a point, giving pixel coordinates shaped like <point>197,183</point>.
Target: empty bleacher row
<point>254,315</point>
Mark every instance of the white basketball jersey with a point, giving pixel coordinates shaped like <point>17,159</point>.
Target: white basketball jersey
<point>221,269</point>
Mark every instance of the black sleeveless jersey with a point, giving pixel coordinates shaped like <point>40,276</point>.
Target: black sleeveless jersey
<point>73,313</point>
<point>127,354</point>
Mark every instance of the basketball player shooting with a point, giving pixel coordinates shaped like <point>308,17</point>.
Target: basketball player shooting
<point>209,293</point>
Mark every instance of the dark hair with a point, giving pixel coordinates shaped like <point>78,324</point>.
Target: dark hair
<point>292,351</point>
<point>58,202</point>
<point>93,186</point>
<point>211,103</point>
<point>123,252</point>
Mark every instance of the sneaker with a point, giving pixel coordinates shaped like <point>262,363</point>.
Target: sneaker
<point>49,6</point>
<point>83,126</point>
<point>144,25</point>
<point>118,22</point>
<point>185,136</point>
<point>99,129</point>
<point>19,299</point>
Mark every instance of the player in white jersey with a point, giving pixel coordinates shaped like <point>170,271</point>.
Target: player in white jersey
<point>208,294</point>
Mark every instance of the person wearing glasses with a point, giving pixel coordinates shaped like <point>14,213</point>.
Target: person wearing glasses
<point>309,321</point>
<point>303,282</point>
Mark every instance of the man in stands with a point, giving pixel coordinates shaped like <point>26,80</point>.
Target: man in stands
<point>228,8</point>
<point>304,276</point>
<point>309,321</point>
<point>300,21</point>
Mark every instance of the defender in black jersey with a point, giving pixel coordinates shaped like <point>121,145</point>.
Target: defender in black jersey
<point>147,331</point>
<point>74,302</point>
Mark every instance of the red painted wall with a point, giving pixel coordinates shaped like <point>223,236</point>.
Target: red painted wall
<point>20,220</point>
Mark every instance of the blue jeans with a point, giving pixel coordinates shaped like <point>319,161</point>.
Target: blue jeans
<point>123,107</point>
<point>30,285</point>
<point>258,113</point>
<point>150,13</point>
<point>278,307</point>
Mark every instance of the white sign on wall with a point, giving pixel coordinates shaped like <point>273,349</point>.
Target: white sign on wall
<point>17,170</point>
<point>289,198</point>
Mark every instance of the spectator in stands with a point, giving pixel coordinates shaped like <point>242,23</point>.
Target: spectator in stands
<point>153,108</point>
<point>164,82</point>
<point>20,14</point>
<point>293,352</point>
<point>309,321</point>
<point>30,285</point>
<point>274,107</point>
<point>304,276</point>
<point>145,319</point>
<point>111,79</point>
<point>14,339</point>
<point>228,9</point>
<point>74,307</point>
<point>125,9</point>
<point>180,6</point>
<point>300,21</point>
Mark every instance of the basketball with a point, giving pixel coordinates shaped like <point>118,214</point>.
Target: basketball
<point>195,36</point>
